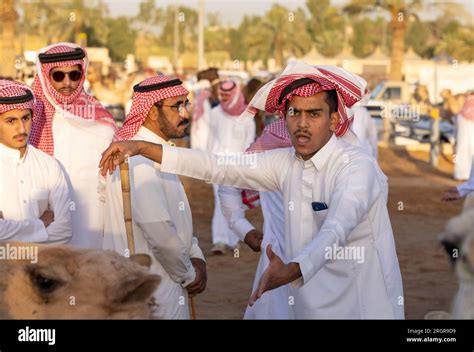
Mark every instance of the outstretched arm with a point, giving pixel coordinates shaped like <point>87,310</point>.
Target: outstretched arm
<point>260,172</point>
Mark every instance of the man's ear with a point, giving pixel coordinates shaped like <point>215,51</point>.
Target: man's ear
<point>153,113</point>
<point>334,121</point>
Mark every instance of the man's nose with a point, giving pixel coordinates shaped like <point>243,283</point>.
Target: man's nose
<point>22,127</point>
<point>303,120</point>
<point>185,114</point>
<point>66,80</point>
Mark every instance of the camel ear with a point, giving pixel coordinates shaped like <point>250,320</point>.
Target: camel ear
<point>136,289</point>
<point>141,259</point>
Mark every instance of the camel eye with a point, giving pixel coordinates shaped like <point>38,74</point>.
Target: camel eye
<point>44,284</point>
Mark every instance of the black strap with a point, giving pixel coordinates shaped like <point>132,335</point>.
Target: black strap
<point>294,85</point>
<point>17,100</point>
<point>157,86</point>
<point>77,54</point>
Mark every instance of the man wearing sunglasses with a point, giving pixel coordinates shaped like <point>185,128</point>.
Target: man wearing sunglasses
<point>162,220</point>
<point>73,127</point>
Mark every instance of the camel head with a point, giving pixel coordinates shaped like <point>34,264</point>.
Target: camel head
<point>64,282</point>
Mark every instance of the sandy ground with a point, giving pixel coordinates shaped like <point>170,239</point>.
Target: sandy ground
<point>417,216</point>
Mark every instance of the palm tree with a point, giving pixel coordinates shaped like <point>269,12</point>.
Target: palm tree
<point>400,11</point>
<point>280,34</point>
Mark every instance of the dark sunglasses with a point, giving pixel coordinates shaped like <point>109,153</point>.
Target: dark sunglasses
<point>59,76</point>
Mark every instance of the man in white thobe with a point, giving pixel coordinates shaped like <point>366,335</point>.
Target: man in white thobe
<point>234,202</point>
<point>339,245</point>
<point>34,202</point>
<point>162,220</point>
<point>205,99</point>
<point>73,127</point>
<point>465,140</point>
<point>229,135</point>
<point>365,129</point>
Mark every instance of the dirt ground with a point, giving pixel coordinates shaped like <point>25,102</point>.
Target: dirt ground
<point>417,216</point>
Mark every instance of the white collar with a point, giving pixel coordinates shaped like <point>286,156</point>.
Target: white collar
<point>12,154</point>
<point>149,136</point>
<point>322,155</point>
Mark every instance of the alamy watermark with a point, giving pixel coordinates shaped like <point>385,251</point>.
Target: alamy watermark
<point>244,159</point>
<point>14,252</point>
<point>345,253</point>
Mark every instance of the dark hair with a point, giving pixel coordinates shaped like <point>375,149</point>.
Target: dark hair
<point>331,100</point>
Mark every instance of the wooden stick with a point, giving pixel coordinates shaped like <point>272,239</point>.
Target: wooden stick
<point>193,308</point>
<point>127,205</point>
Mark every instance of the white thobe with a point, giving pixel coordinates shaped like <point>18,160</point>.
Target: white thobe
<point>162,228</point>
<point>228,135</point>
<point>275,303</point>
<point>200,128</point>
<point>340,174</point>
<point>29,185</point>
<point>78,146</point>
<point>464,148</point>
<point>365,129</point>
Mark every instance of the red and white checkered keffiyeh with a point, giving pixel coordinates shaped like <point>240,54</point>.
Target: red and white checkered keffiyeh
<point>12,89</point>
<point>350,89</point>
<point>274,136</point>
<point>235,104</point>
<point>78,103</point>
<point>142,103</point>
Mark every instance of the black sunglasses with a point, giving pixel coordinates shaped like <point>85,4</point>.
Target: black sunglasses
<point>59,76</point>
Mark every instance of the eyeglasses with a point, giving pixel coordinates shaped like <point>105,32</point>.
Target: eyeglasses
<point>59,76</point>
<point>180,106</point>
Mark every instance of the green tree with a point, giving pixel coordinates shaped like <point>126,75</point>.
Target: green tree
<point>121,38</point>
<point>399,11</point>
<point>326,27</point>
<point>366,36</point>
<point>279,34</point>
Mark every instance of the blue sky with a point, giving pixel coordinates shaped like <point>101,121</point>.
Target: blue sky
<point>232,11</point>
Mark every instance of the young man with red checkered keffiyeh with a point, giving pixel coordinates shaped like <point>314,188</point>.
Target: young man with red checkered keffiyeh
<point>162,220</point>
<point>340,257</point>
<point>34,202</point>
<point>73,127</point>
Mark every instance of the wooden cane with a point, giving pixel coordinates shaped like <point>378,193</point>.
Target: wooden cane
<point>127,205</point>
<point>127,215</point>
<point>193,308</point>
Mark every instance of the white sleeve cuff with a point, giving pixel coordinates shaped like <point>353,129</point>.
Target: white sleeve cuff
<point>195,251</point>
<point>306,268</point>
<point>242,227</point>
<point>39,233</point>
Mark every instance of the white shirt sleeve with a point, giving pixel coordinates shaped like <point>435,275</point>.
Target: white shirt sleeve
<point>260,173</point>
<point>195,251</point>
<point>150,213</point>
<point>60,230</point>
<point>355,191</point>
<point>169,250</point>
<point>30,230</point>
<point>467,187</point>
<point>233,210</point>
